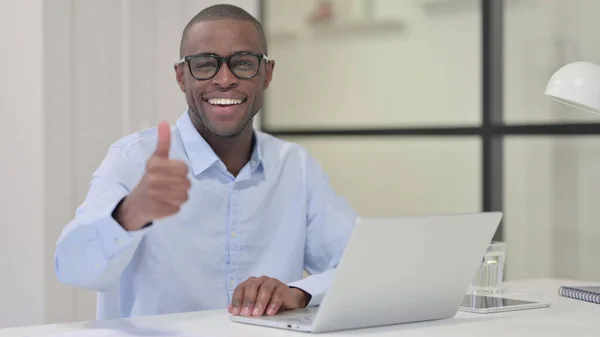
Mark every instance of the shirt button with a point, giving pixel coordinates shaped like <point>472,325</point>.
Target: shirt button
<point>232,283</point>
<point>233,234</point>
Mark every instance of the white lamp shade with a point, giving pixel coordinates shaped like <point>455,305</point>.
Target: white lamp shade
<point>576,84</point>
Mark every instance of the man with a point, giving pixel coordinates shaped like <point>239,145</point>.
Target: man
<point>209,213</point>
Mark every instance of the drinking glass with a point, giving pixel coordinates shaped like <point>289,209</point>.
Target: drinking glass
<point>489,276</point>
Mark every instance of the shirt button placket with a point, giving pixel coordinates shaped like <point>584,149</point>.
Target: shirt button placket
<point>233,239</point>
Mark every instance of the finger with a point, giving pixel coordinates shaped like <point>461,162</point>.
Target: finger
<point>165,184</point>
<point>172,199</point>
<point>237,298</point>
<point>168,167</point>
<point>175,167</point>
<point>171,193</point>
<point>250,293</point>
<point>164,140</point>
<point>161,209</point>
<point>276,301</point>
<point>263,298</point>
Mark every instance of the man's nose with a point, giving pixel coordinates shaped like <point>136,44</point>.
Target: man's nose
<point>225,79</point>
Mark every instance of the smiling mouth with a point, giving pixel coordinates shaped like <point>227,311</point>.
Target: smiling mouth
<point>222,102</point>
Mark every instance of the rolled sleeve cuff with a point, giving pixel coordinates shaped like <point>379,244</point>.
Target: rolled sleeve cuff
<point>314,288</point>
<point>113,236</point>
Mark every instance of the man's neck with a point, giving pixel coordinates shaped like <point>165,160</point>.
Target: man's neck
<point>234,152</point>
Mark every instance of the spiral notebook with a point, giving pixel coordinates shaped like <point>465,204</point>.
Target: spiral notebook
<point>588,294</point>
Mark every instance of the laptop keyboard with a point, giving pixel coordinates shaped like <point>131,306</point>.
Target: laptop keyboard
<point>304,319</point>
<point>307,318</point>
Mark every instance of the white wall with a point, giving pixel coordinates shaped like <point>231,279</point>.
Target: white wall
<point>78,75</point>
<point>22,180</point>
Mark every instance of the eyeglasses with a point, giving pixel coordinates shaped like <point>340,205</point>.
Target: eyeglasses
<point>243,65</point>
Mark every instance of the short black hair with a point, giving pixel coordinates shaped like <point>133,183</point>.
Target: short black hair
<point>223,12</point>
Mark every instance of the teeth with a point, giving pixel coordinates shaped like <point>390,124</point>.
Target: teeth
<point>224,101</point>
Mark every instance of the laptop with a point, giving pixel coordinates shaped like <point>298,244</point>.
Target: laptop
<point>397,270</point>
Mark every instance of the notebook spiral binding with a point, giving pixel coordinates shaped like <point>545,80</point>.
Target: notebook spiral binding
<point>579,294</point>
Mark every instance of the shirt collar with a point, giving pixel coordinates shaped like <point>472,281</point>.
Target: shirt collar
<point>256,157</point>
<point>199,152</point>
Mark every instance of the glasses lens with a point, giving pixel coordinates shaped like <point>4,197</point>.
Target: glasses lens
<point>203,66</point>
<point>244,66</point>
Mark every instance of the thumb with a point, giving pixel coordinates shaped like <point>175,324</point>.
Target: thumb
<point>164,140</point>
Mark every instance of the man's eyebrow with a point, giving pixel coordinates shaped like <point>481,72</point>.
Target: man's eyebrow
<point>234,52</point>
<point>247,51</point>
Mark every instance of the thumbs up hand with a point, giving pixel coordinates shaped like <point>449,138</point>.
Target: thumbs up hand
<point>161,191</point>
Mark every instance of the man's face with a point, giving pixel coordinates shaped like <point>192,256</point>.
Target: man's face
<point>225,104</point>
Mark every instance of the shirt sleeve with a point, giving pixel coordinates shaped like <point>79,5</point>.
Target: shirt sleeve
<point>330,223</point>
<point>94,249</point>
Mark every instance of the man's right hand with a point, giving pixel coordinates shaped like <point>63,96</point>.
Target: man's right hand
<point>161,191</point>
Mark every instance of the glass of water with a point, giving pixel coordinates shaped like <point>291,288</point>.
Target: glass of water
<point>490,274</point>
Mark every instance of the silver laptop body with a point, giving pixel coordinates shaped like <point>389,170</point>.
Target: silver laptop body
<point>397,270</point>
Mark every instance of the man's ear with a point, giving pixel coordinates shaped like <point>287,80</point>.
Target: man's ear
<point>180,76</point>
<point>270,67</point>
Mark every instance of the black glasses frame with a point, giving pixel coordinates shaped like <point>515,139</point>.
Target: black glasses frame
<point>226,60</point>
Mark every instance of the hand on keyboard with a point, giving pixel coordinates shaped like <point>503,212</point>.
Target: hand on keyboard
<point>257,296</point>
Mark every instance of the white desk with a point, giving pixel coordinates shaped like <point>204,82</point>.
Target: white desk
<point>566,317</point>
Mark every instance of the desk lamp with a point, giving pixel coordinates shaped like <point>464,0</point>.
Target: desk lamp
<point>576,84</point>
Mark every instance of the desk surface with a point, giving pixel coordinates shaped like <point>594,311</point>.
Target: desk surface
<point>565,317</point>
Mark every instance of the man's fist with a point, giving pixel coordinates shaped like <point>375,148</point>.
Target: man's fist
<point>265,295</point>
<point>161,191</point>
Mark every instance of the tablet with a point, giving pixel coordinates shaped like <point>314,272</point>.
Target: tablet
<point>482,304</point>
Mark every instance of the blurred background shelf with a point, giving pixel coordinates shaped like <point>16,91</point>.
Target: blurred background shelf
<point>367,26</point>
<point>340,28</point>
<point>282,36</point>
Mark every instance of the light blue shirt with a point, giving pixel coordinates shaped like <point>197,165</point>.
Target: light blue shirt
<point>278,217</point>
